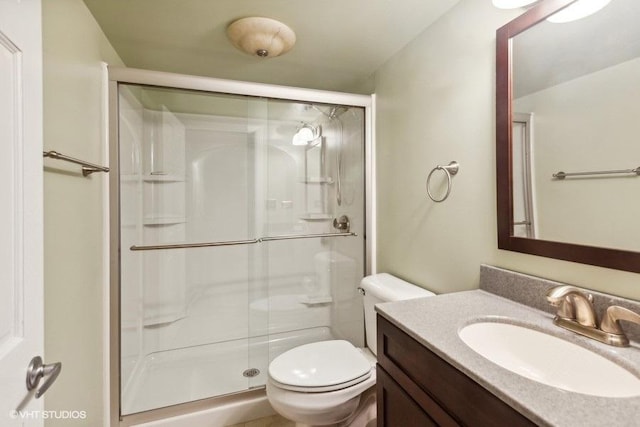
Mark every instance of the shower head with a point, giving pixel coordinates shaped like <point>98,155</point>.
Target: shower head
<point>334,111</point>
<point>305,134</point>
<point>337,110</point>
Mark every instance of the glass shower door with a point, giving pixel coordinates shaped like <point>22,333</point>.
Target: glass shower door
<point>229,254</point>
<point>188,176</point>
<point>312,281</point>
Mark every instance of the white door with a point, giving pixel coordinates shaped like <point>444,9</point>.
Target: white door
<point>21,294</point>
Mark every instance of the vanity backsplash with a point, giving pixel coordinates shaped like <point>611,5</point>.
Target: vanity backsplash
<point>531,291</point>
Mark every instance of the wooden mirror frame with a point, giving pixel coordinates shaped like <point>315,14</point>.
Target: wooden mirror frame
<point>604,257</point>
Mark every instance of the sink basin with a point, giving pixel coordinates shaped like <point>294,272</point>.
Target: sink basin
<point>549,360</point>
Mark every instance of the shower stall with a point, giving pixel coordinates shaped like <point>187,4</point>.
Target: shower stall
<point>238,224</point>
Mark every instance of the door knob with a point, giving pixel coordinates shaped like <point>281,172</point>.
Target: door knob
<point>36,370</point>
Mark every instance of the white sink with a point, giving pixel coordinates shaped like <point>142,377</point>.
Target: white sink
<point>549,360</point>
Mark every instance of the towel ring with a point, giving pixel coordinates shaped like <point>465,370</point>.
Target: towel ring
<point>450,170</point>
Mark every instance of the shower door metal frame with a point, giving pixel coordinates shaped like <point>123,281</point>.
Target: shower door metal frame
<point>118,75</point>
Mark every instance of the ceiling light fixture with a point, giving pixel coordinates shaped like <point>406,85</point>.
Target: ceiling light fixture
<point>511,4</point>
<point>578,10</point>
<point>263,37</point>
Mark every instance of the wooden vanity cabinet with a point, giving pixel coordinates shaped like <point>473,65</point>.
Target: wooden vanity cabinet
<point>416,387</point>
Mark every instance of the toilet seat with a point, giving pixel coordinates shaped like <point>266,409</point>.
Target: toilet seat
<point>320,367</point>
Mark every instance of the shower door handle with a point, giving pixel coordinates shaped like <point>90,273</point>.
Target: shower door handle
<point>36,370</point>
<point>342,224</point>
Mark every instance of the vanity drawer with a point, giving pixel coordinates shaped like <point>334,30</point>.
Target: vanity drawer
<point>448,395</point>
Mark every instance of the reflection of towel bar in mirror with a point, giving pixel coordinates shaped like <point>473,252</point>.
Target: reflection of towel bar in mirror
<point>563,175</point>
<point>238,242</point>
<point>87,168</point>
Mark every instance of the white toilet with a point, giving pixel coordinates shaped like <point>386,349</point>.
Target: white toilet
<point>321,383</point>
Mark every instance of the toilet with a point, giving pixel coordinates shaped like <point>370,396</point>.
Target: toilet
<point>332,382</point>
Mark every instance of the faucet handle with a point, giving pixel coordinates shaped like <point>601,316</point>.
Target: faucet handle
<point>565,308</point>
<point>556,294</point>
<point>611,320</point>
<point>573,304</point>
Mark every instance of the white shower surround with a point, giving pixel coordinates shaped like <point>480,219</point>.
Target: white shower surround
<point>315,320</point>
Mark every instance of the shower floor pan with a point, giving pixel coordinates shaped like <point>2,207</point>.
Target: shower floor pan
<point>182,375</point>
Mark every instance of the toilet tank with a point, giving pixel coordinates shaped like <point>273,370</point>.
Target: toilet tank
<point>384,287</point>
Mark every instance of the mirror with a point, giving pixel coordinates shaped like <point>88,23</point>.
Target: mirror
<point>567,123</point>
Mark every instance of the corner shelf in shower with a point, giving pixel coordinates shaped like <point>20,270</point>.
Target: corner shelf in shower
<point>316,216</point>
<point>167,220</point>
<point>163,178</point>
<point>317,180</point>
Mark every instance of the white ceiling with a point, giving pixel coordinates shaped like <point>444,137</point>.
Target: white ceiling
<point>340,43</point>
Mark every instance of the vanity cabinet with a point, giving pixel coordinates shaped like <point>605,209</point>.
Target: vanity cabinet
<point>416,387</point>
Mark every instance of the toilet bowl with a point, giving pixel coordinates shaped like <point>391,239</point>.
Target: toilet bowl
<point>321,383</point>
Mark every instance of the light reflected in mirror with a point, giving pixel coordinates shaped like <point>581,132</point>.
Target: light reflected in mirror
<point>578,10</point>
<point>576,108</point>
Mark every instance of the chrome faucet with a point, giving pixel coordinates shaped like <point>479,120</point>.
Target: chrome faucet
<point>576,313</point>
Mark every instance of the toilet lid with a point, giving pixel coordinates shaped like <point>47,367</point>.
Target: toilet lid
<point>325,365</point>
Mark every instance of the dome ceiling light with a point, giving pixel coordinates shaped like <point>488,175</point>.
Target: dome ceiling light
<point>263,37</point>
<point>578,10</point>
<point>306,134</point>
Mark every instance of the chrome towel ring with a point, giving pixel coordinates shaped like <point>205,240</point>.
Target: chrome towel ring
<point>450,170</point>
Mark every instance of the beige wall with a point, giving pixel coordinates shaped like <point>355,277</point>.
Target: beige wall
<point>436,103</point>
<point>587,124</point>
<point>74,47</point>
